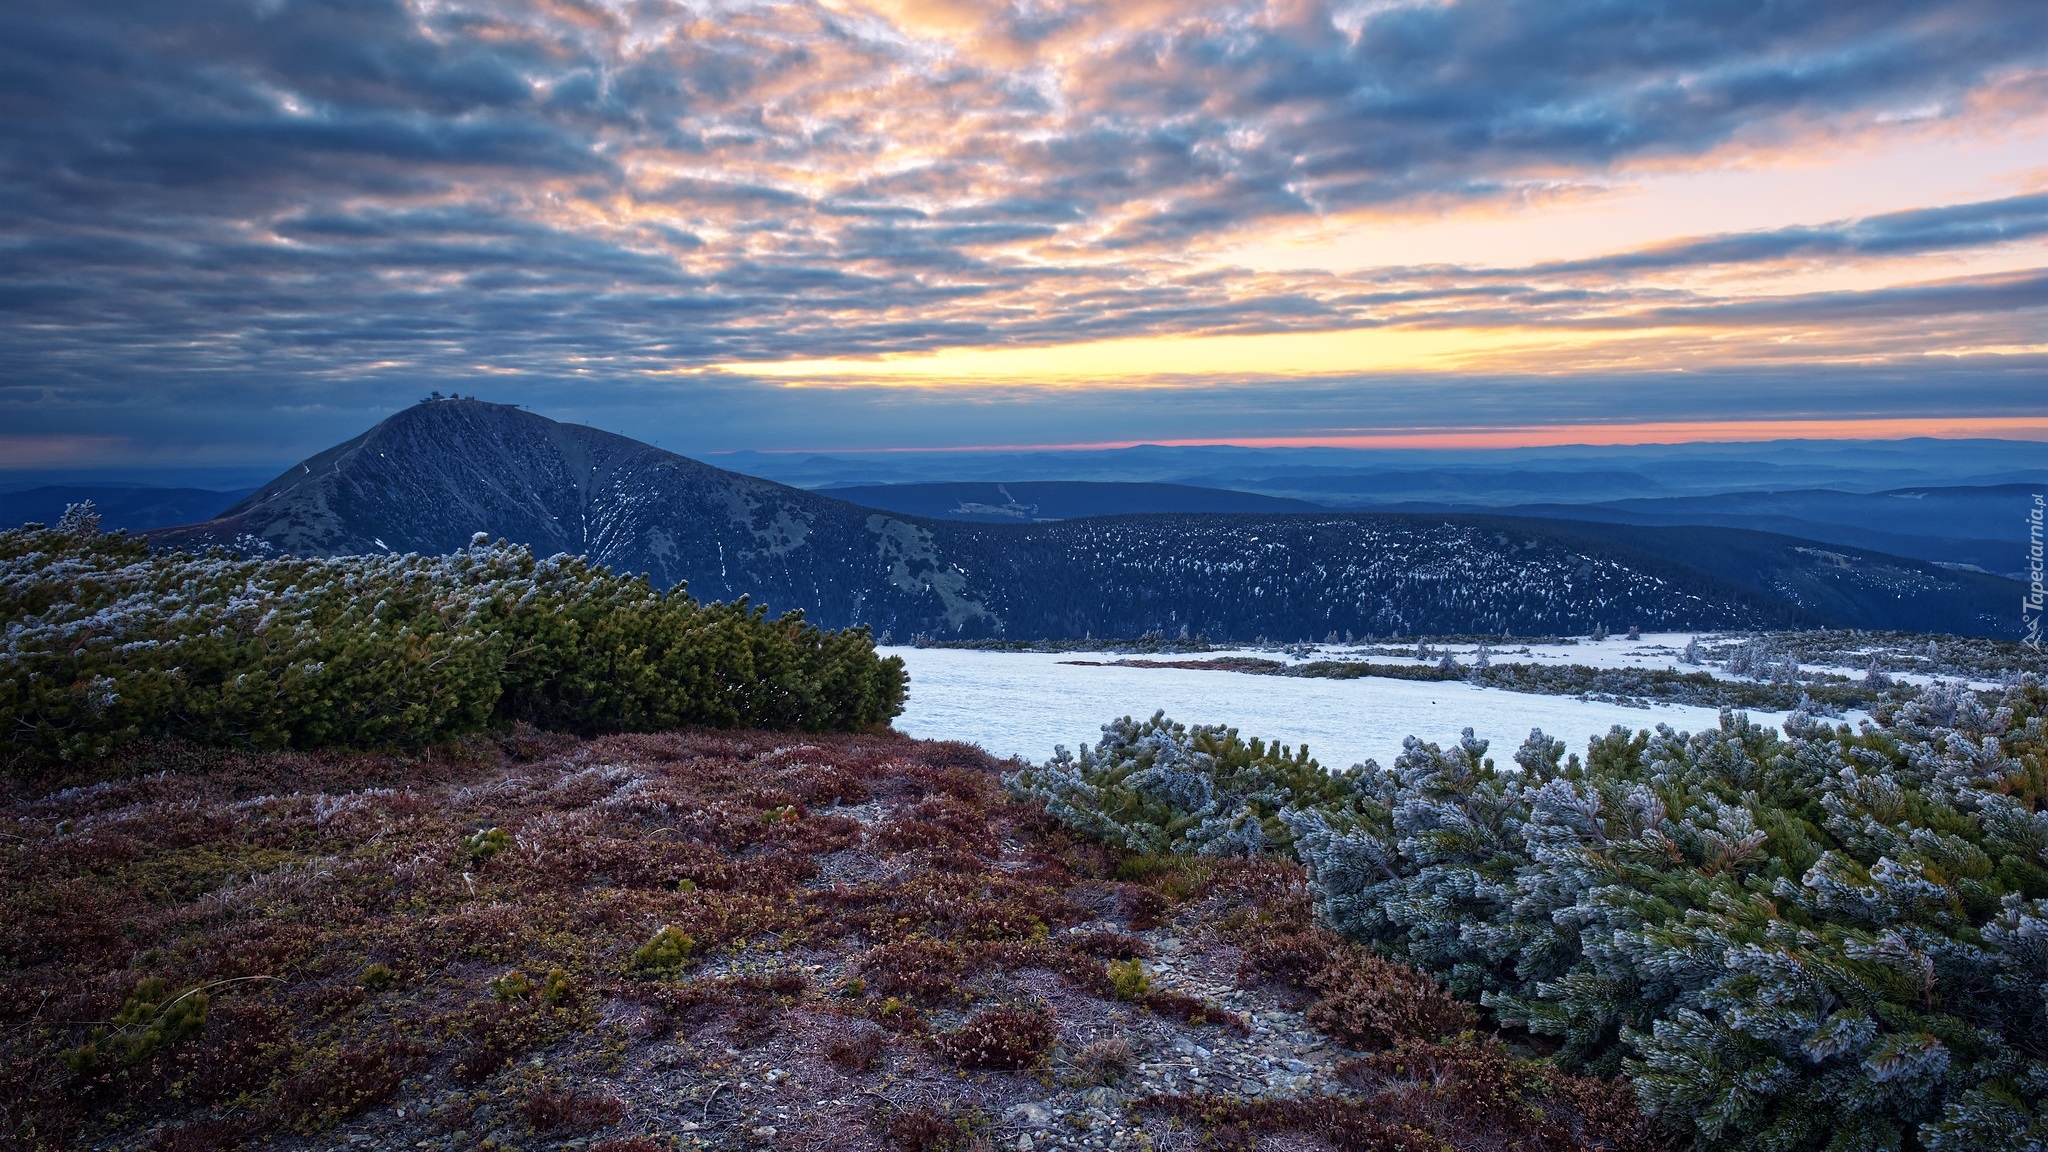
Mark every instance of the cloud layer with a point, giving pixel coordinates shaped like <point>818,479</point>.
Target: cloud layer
<point>319,205</point>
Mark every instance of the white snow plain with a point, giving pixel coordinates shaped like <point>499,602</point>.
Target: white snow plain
<point>1653,650</point>
<point>1023,703</point>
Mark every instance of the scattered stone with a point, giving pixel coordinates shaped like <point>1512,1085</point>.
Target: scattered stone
<point>1036,1114</point>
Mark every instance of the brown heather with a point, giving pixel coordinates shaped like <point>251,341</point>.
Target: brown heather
<point>700,938</point>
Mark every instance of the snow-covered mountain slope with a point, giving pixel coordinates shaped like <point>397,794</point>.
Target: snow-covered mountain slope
<point>431,476</point>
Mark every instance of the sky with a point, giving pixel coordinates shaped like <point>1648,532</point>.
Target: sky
<point>232,233</point>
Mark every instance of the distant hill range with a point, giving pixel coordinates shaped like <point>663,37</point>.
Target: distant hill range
<point>1032,501</point>
<point>1958,526</point>
<point>1952,502</point>
<point>429,477</point>
<point>119,506</point>
<point>1981,526</point>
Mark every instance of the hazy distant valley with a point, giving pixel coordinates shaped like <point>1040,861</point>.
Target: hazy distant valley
<point>1947,502</point>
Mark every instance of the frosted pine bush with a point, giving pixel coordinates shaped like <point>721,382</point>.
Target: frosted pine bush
<point>1155,786</point>
<point>106,642</point>
<point>1825,938</point>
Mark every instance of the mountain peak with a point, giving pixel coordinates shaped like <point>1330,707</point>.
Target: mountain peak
<point>430,476</point>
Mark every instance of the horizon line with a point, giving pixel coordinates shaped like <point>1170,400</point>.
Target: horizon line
<point>1646,435</point>
<point>18,457</point>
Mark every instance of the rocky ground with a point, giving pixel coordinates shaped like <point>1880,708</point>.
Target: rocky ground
<point>698,940</point>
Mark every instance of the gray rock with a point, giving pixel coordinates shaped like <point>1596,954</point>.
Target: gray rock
<point>1106,1099</point>
<point>1036,1114</point>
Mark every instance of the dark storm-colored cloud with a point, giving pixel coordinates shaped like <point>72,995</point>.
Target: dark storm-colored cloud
<point>212,152</point>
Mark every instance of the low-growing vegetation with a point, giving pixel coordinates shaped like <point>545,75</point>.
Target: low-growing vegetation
<point>1422,1096</point>
<point>1951,657</point>
<point>1829,938</point>
<point>1002,1036</point>
<point>108,643</point>
<point>229,949</point>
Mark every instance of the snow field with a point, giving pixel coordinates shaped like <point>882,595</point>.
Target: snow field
<point>1023,703</point>
<point>1657,650</point>
<point>1654,650</point>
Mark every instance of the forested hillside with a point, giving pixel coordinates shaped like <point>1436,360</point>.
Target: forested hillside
<point>1304,576</point>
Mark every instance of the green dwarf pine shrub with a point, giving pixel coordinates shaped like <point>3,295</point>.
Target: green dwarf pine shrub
<point>665,952</point>
<point>1128,979</point>
<point>107,642</point>
<point>1833,938</point>
<point>486,843</point>
<point>150,1019</point>
<point>555,989</point>
<point>513,985</point>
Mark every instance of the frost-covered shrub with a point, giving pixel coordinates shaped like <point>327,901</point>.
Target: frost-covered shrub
<point>1785,942</point>
<point>485,843</point>
<point>1830,938</point>
<point>106,642</point>
<point>1155,786</point>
